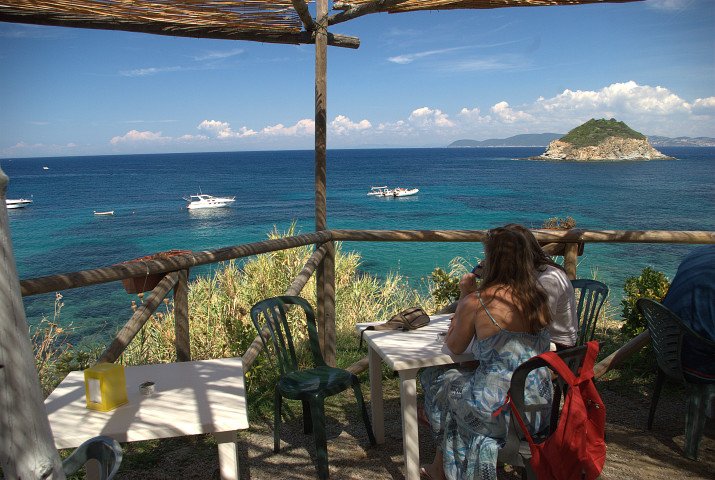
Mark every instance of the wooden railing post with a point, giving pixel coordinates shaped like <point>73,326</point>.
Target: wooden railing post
<point>571,259</point>
<point>325,277</point>
<point>328,336</point>
<point>181,317</point>
<point>27,449</point>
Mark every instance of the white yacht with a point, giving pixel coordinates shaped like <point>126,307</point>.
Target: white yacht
<point>404,192</point>
<point>17,202</point>
<point>380,191</point>
<point>201,200</point>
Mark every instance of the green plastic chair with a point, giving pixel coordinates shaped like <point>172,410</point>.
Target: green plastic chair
<point>104,450</point>
<point>310,386</point>
<point>666,337</point>
<point>592,295</point>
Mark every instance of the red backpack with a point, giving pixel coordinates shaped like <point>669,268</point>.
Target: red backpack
<point>577,448</point>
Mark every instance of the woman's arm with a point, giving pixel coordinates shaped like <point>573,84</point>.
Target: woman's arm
<point>462,330</point>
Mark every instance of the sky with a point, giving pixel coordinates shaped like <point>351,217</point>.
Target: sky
<point>422,79</point>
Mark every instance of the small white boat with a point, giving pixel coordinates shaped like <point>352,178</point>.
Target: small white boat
<point>17,202</point>
<point>404,192</point>
<point>380,191</point>
<point>109,212</point>
<point>202,200</point>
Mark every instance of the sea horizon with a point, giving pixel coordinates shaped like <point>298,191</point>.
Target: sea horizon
<point>460,188</point>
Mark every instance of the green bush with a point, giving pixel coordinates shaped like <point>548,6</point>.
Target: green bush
<point>445,285</point>
<point>650,284</point>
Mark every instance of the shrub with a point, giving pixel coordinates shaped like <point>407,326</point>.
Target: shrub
<point>650,284</point>
<point>557,223</point>
<point>445,285</point>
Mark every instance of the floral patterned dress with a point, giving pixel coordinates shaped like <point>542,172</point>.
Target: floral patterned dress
<point>461,403</point>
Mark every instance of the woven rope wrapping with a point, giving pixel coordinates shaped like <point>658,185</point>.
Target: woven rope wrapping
<point>270,16</point>
<point>413,5</point>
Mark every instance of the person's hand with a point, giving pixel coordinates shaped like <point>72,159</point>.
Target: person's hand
<point>467,284</point>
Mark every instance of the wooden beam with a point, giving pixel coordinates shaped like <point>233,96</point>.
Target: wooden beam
<point>221,33</point>
<point>560,236</point>
<point>141,315</point>
<point>354,11</point>
<point>54,283</point>
<point>302,9</point>
<point>323,276</point>
<point>622,354</point>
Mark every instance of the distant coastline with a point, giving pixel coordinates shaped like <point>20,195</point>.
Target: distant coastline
<point>543,140</point>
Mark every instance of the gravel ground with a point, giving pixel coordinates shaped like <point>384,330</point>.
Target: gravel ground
<point>632,451</point>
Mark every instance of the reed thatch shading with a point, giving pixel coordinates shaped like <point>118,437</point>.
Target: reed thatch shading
<point>273,21</point>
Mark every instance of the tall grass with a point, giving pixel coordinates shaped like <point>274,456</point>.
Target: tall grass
<point>219,306</point>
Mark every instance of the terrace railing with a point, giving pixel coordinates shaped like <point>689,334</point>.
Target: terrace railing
<point>566,243</point>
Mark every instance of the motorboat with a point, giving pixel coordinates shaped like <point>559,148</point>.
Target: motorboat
<point>380,191</point>
<point>17,202</point>
<point>201,200</point>
<point>404,192</point>
<point>108,212</point>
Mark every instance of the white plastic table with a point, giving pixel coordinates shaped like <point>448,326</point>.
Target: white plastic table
<point>206,396</point>
<point>405,352</point>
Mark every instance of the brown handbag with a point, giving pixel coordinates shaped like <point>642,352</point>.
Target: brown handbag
<point>410,319</point>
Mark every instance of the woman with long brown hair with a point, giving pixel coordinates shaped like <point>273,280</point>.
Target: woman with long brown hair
<point>504,319</point>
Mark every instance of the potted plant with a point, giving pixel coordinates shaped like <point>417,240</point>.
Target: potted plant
<point>148,282</point>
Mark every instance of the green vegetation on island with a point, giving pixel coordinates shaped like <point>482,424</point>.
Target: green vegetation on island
<point>594,132</point>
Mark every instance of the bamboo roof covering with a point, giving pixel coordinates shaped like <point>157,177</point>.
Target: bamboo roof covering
<point>397,6</point>
<point>274,21</point>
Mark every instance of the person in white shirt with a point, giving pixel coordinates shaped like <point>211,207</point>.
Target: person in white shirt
<point>553,279</point>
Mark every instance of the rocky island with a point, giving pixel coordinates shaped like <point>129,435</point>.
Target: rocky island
<point>601,140</point>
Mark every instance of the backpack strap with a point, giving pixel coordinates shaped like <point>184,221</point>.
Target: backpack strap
<point>585,371</point>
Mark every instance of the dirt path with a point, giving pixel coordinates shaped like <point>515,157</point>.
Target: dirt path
<point>632,452</point>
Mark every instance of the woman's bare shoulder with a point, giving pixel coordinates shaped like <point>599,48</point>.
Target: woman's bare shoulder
<point>496,292</point>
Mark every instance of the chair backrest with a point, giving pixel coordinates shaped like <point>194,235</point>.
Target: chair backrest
<point>666,336</point>
<point>516,440</point>
<point>592,294</point>
<point>105,450</point>
<point>271,314</point>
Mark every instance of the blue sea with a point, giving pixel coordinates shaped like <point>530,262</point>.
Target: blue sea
<point>460,188</point>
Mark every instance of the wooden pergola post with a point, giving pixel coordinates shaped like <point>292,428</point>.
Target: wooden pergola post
<point>27,449</point>
<point>325,277</point>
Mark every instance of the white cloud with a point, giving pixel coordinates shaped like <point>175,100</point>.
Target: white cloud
<point>145,72</point>
<point>342,125</point>
<point>223,129</point>
<point>668,5</point>
<point>304,127</point>
<point>218,55</point>
<point>502,112</point>
<point>704,106</point>
<point>620,98</point>
<point>23,149</point>
<point>425,118</point>
<point>134,136</point>
<point>409,58</point>
<point>652,110</point>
